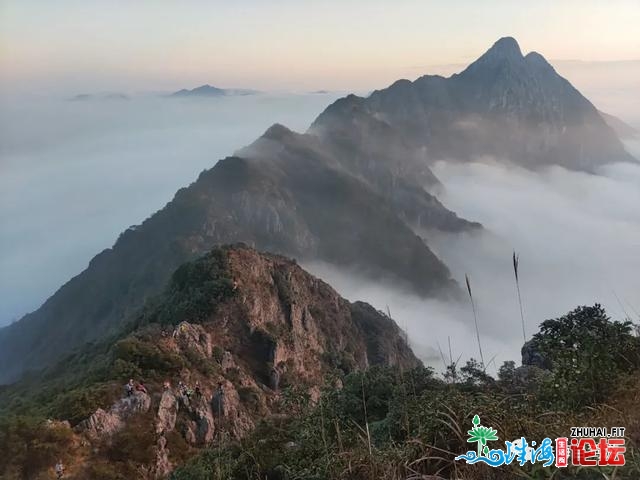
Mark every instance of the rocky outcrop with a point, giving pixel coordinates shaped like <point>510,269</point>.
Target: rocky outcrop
<point>193,338</point>
<point>300,326</point>
<point>103,423</point>
<point>232,331</point>
<point>167,412</point>
<point>196,422</point>
<point>163,465</point>
<point>227,361</point>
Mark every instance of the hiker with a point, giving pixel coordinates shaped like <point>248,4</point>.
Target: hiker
<point>141,388</point>
<point>182,388</point>
<point>189,393</point>
<point>198,391</point>
<point>129,387</point>
<point>182,328</point>
<point>59,469</point>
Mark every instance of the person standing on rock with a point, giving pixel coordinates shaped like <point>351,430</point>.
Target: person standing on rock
<point>129,387</point>
<point>141,388</point>
<point>59,470</point>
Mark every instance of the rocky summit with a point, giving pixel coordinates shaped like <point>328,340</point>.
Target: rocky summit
<point>231,332</point>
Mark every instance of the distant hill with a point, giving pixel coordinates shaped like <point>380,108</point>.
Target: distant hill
<point>210,91</point>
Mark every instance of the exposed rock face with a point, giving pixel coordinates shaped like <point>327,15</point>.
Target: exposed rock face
<point>300,324</point>
<point>167,412</point>
<point>105,423</point>
<point>163,466</point>
<point>227,361</point>
<point>230,331</point>
<point>196,420</point>
<point>101,423</point>
<point>281,326</point>
<point>195,338</point>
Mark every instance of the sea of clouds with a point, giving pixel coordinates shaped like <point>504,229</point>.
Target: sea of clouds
<point>74,174</point>
<point>577,237</point>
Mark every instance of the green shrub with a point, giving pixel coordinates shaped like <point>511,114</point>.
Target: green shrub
<point>195,289</point>
<point>250,396</point>
<point>148,358</point>
<point>81,402</point>
<point>29,445</point>
<point>218,353</point>
<point>134,443</point>
<point>587,353</point>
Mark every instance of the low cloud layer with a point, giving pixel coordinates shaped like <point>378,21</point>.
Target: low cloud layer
<point>73,175</point>
<point>578,238</point>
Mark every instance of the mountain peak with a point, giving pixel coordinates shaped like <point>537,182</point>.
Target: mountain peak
<point>506,47</point>
<point>277,131</point>
<point>534,59</point>
<point>202,91</point>
<point>505,51</point>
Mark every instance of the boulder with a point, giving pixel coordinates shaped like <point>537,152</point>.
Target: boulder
<point>227,361</point>
<point>167,412</point>
<point>195,338</point>
<point>199,426</point>
<point>105,423</point>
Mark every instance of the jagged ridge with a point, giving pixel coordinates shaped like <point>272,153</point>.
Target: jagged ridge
<point>252,322</point>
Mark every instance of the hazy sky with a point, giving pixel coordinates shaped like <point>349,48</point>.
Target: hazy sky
<point>71,45</point>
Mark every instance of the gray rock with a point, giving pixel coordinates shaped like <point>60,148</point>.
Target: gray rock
<point>105,423</point>
<point>167,412</point>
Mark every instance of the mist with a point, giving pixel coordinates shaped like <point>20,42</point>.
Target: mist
<point>74,174</point>
<point>577,235</point>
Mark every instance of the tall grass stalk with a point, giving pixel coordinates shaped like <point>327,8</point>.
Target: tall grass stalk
<point>516,264</point>
<point>366,418</point>
<point>444,362</point>
<point>475,318</point>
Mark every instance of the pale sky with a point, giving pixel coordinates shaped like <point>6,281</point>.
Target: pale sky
<point>85,46</point>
